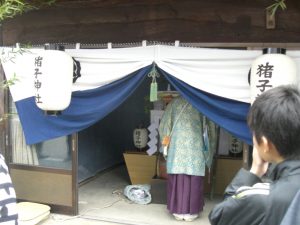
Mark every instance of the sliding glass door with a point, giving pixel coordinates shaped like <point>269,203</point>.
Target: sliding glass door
<point>45,172</point>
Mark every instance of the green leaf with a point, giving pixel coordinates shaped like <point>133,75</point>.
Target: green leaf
<point>11,8</point>
<point>278,3</point>
<point>283,5</point>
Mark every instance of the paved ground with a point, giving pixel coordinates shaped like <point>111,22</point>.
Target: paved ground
<point>101,202</point>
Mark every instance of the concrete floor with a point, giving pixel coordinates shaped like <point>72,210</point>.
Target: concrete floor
<point>101,202</point>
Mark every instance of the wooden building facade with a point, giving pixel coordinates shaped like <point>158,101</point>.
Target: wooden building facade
<point>126,21</point>
<point>214,23</point>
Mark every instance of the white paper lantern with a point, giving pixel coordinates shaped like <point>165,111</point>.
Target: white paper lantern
<point>236,145</point>
<point>270,70</point>
<point>140,137</point>
<point>53,79</point>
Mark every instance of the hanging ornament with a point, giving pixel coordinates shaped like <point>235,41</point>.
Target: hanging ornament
<point>270,70</point>
<point>236,146</point>
<point>153,87</point>
<point>140,137</point>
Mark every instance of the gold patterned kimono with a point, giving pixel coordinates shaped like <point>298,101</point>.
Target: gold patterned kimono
<point>188,153</point>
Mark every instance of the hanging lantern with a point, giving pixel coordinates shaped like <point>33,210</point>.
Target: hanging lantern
<point>270,70</point>
<point>236,146</point>
<point>53,78</point>
<point>140,137</point>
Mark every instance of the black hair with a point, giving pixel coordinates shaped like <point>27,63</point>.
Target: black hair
<point>275,114</point>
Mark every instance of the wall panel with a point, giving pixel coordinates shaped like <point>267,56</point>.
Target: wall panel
<point>98,21</point>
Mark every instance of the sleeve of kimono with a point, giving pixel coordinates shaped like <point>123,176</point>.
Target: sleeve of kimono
<point>165,125</point>
<point>213,136</point>
<point>212,133</point>
<point>8,204</point>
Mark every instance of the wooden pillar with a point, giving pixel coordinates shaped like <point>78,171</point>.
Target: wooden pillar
<point>3,109</point>
<point>2,114</point>
<point>246,156</point>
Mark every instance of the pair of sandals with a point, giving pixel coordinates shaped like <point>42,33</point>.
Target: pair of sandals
<point>186,217</point>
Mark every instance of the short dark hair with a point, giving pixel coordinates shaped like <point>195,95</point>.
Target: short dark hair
<point>275,114</point>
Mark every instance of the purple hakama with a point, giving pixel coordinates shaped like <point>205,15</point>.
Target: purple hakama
<point>185,194</point>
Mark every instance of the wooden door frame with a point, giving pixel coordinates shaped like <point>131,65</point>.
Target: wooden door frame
<point>73,210</point>
<point>75,185</point>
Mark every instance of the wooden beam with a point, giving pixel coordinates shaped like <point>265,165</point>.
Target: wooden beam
<point>116,21</point>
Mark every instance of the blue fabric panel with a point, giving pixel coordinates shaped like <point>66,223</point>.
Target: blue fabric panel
<point>228,114</point>
<point>86,108</point>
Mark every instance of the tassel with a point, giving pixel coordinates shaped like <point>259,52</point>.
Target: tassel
<point>153,87</point>
<point>153,92</point>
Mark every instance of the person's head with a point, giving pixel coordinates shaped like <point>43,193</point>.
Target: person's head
<point>274,119</point>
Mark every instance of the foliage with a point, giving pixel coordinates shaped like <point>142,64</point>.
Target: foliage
<point>147,104</point>
<point>3,85</point>
<point>11,55</point>
<point>7,83</point>
<point>278,3</point>
<point>12,8</point>
<point>6,56</point>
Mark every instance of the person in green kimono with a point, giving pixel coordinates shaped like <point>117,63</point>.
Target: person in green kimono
<point>190,140</point>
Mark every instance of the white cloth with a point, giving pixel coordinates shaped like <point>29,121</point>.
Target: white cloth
<point>220,72</point>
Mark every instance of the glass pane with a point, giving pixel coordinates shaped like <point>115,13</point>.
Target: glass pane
<point>54,153</point>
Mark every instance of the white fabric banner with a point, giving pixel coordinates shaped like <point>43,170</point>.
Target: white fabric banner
<point>220,72</point>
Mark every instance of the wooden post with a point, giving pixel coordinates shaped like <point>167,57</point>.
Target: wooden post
<point>245,156</point>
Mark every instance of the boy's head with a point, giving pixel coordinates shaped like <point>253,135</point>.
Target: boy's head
<point>275,115</point>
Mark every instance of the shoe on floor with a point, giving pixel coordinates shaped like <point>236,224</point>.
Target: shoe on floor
<point>190,217</point>
<point>178,216</point>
